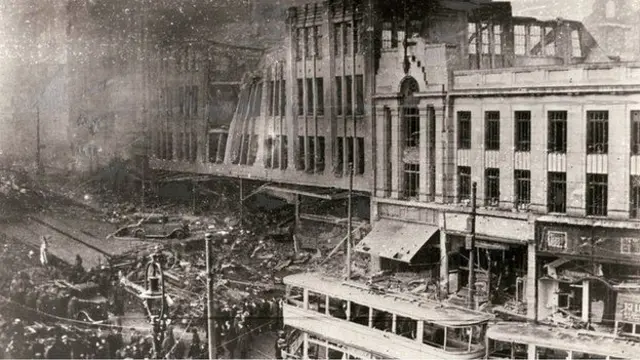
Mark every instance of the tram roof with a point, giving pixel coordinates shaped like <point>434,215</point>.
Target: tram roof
<point>564,339</point>
<point>418,309</point>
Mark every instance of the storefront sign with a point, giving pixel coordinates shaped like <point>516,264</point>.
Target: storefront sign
<point>628,307</point>
<point>557,240</point>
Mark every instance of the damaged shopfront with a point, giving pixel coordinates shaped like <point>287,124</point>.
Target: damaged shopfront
<point>588,273</point>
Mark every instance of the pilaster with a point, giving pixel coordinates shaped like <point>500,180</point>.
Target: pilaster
<point>382,155</point>
<point>396,155</point>
<point>530,291</point>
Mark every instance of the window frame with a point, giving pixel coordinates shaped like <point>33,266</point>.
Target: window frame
<point>559,180</point>
<point>634,116</point>
<point>492,130</point>
<point>464,130</point>
<point>557,121</point>
<point>522,130</point>
<point>464,183</point>
<point>522,182</point>
<point>597,188</point>
<point>597,132</point>
<point>492,186</point>
<point>411,176</point>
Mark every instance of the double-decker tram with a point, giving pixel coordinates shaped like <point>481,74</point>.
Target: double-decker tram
<point>511,340</point>
<point>346,320</point>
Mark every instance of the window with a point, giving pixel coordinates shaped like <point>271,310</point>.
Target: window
<point>464,183</point>
<point>337,38</point>
<point>356,36</point>
<point>339,95</point>
<point>630,246</point>
<point>597,194</point>
<point>349,93</point>
<point>597,132</point>
<point>519,38</point>
<point>359,169</point>
<point>492,130</point>
<point>339,165</point>
<point>549,41</point>
<point>338,308</point>
<point>575,44</point>
<point>317,43</point>
<point>308,42</point>
<point>268,152</point>
<point>300,43</point>
<point>253,149</point>
<point>535,40</point>
<point>635,132</point>
<point>320,154</point>
<point>359,95</point>
<point>285,160</point>
<point>270,96</point>
<point>523,187</point>
<point>557,192</point>
<point>300,97</point>
<point>406,327</point>
<point>411,126</point>
<point>359,314</point>
<point>301,153</point>
<point>497,39</point>
<point>411,180</point>
<point>382,320</point>
<point>312,154</point>
<point>557,141</point>
<point>464,130</point>
<point>319,96</point>
<point>350,159</point>
<point>318,302</point>
<point>492,187</point>
<point>473,48</point>
<point>387,33</point>
<point>257,100</point>
<point>347,40</point>
<point>523,130</point>
<point>309,90</point>
<point>634,201</point>
<point>485,39</point>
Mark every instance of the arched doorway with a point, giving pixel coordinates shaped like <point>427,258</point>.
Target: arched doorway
<point>410,120</point>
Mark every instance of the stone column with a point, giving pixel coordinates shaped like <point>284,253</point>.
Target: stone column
<point>586,302</point>
<point>396,154</point>
<point>444,262</point>
<point>530,291</point>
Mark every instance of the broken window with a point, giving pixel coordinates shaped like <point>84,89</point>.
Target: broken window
<point>597,132</point>
<point>519,39</point>
<point>359,314</point>
<point>630,246</point>
<point>411,180</point>
<point>268,151</point>
<point>387,34</point>
<point>270,95</point>
<point>484,40</point>
<point>406,327</point>
<point>635,132</point>
<point>295,296</point>
<point>464,183</point>
<point>492,186</point>
<point>320,154</point>
<point>338,168</point>
<point>523,130</point>
<point>549,41</point>
<point>350,159</point>
<point>557,192</point>
<point>575,44</point>
<point>300,97</point>
<point>320,96</point>
<point>473,49</point>
<point>312,154</point>
<point>318,302</point>
<point>464,130</point>
<point>492,130</point>
<point>283,97</point>
<point>257,100</point>
<point>349,93</point>
<point>359,95</point>
<point>497,39</point>
<point>597,194</point>
<point>338,308</point>
<point>309,90</point>
<point>359,169</point>
<point>635,197</point>
<point>523,187</point>
<point>535,40</point>
<point>338,95</point>
<point>301,153</point>
<point>285,154</point>
<point>382,320</point>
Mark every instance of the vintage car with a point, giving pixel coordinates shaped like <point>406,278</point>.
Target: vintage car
<point>90,305</point>
<point>155,226</point>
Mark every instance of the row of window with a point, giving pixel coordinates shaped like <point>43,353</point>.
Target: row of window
<point>186,146</point>
<point>596,190</point>
<point>540,40</point>
<point>308,39</point>
<point>483,37</point>
<point>597,131</point>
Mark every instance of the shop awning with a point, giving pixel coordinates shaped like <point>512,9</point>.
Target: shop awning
<point>397,240</point>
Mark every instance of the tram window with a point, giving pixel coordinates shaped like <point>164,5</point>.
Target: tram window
<point>338,308</point>
<point>458,338</point>
<point>382,320</point>
<point>335,354</point>
<point>317,351</point>
<point>548,353</point>
<point>433,335</point>
<point>578,355</point>
<point>359,314</point>
<point>318,302</point>
<point>294,296</point>
<point>406,327</point>
<point>503,350</point>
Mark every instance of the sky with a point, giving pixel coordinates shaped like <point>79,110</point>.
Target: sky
<point>567,9</point>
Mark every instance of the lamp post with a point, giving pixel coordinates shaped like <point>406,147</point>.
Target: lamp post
<point>154,294</point>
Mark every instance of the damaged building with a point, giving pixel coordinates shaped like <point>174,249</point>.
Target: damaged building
<point>423,99</point>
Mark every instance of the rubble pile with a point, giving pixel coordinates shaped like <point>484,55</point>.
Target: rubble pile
<point>18,194</point>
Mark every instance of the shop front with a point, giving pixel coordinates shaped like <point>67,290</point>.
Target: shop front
<point>580,263</point>
<point>627,321</point>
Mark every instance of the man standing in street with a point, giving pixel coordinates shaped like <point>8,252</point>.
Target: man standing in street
<point>44,256</point>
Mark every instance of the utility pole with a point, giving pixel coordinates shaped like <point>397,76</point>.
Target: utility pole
<point>211,310</point>
<point>349,225</point>
<point>472,247</point>
<point>38,141</point>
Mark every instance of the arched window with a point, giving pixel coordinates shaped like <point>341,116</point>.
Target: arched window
<point>411,134</point>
